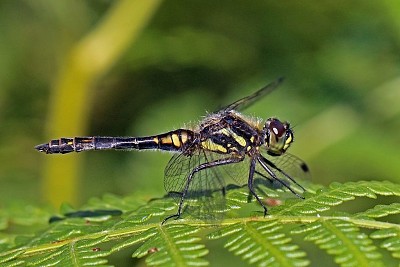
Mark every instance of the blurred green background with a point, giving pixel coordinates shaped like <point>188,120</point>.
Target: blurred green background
<point>145,67</point>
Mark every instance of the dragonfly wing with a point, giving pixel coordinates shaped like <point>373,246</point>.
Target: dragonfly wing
<point>204,198</point>
<point>249,100</point>
<point>238,172</point>
<point>176,172</point>
<point>288,169</point>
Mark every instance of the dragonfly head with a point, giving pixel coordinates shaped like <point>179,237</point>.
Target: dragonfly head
<point>278,136</point>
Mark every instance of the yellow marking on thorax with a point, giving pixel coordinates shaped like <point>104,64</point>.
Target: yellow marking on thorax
<point>240,140</point>
<point>209,145</point>
<point>225,131</point>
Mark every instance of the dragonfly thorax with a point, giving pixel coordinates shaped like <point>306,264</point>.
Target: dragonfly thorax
<point>229,133</point>
<point>278,136</point>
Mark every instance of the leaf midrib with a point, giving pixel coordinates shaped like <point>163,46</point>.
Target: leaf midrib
<point>264,242</point>
<point>362,261</point>
<point>173,250</point>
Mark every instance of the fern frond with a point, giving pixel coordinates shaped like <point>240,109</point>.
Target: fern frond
<point>113,202</point>
<point>381,211</point>
<point>10,258</point>
<point>262,243</point>
<point>78,252</point>
<point>391,242</point>
<point>336,194</point>
<point>343,240</point>
<point>259,240</point>
<point>176,245</point>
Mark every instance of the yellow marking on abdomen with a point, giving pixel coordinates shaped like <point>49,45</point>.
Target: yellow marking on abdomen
<point>175,140</point>
<point>155,140</point>
<point>166,140</point>
<point>184,137</point>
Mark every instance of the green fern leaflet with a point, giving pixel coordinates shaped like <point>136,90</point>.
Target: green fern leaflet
<point>291,235</point>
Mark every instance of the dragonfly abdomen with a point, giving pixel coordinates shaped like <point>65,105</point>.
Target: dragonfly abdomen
<point>172,141</point>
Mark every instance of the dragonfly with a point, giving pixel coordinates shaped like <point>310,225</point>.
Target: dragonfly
<point>224,143</point>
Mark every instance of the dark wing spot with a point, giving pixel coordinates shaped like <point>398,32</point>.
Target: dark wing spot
<point>304,167</point>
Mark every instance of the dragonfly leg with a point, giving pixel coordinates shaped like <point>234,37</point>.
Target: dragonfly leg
<point>250,184</point>
<point>189,179</point>
<point>264,162</point>
<point>175,216</point>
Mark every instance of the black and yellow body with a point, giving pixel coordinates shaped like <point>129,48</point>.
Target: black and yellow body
<point>175,140</point>
<point>222,138</point>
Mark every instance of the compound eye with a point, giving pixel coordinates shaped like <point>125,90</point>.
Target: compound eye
<point>278,137</point>
<point>277,127</point>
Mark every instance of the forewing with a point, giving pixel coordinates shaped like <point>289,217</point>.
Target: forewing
<point>249,100</point>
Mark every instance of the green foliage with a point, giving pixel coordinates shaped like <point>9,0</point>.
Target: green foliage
<point>262,243</point>
<point>279,239</point>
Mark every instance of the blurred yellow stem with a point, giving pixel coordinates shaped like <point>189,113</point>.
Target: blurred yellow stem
<point>70,102</point>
